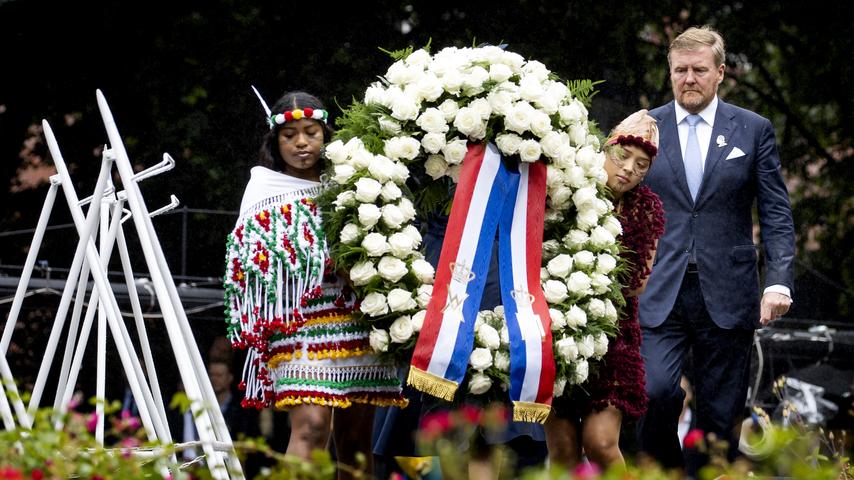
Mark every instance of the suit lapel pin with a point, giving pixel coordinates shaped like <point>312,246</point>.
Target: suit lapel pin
<point>721,141</point>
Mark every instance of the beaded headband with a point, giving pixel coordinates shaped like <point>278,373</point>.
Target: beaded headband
<point>295,114</point>
<point>298,113</point>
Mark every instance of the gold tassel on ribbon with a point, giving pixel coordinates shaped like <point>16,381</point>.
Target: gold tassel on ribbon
<point>431,384</point>
<point>531,412</point>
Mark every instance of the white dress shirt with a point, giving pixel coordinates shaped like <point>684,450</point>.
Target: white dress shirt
<point>704,137</point>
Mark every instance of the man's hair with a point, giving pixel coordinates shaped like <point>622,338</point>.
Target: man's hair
<point>697,37</point>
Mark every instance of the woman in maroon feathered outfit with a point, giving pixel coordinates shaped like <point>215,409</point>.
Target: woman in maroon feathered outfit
<point>588,418</point>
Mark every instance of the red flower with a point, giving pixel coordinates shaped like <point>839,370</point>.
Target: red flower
<point>11,473</point>
<point>308,112</point>
<point>37,474</point>
<point>436,423</point>
<point>471,414</point>
<point>587,470</point>
<point>694,438</point>
<point>92,422</point>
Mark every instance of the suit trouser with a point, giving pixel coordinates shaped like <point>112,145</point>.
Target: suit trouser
<point>719,374</point>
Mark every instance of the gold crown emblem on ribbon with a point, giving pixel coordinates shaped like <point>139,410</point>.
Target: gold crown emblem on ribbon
<point>522,297</point>
<point>461,273</point>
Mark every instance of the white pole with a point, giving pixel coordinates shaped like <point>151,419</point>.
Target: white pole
<point>190,373</point>
<point>85,238</point>
<point>101,365</point>
<point>32,255</point>
<point>73,328</point>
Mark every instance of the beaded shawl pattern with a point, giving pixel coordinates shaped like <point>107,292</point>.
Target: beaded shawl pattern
<point>286,306</point>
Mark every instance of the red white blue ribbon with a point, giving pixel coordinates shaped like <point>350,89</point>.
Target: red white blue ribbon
<point>489,195</point>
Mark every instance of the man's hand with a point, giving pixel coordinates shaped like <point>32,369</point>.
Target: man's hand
<point>774,305</point>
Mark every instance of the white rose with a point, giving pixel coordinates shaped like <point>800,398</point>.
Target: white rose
<point>392,269</point>
<point>499,72</point>
<point>405,108</point>
<point>508,143</point>
<point>480,319</point>
<point>600,345</point>
<point>379,340</point>
<point>582,369</point>
<point>565,154</point>
<point>575,239</point>
<point>401,245</point>
<point>336,153</point>
<point>584,259</point>
<point>559,387</point>
<point>530,151</point>
<point>567,348</point>
<point>423,295</point>
<point>584,196</point>
<point>578,134</point>
<point>473,82</point>
<point>544,274</point>
<point>601,206</point>
<point>362,273</point>
<point>587,218</point>
<point>375,95</point>
<point>390,192</point>
<point>500,101</point>
<point>558,320</point>
<point>401,329</point>
<point>433,142</point>
<point>367,189</point>
<point>455,151</point>
<point>505,335</point>
<point>449,109</point>
<point>560,266</point>
<point>407,209</point>
<point>560,197</point>
<point>435,166</point>
<point>554,177</point>
<point>530,88</point>
<point>536,69</point>
<point>502,361</point>
<point>399,173</point>
<point>375,244</point>
<point>518,118</point>
<point>488,337</point>
<point>596,308</point>
<point>343,173</point>
<point>406,148</point>
<point>587,158</point>
<point>586,346</point>
<point>392,216</point>
<point>541,124</point>
<point>414,234</point>
<point>418,58</point>
<point>390,125</point>
<point>555,291</point>
<point>553,216</point>
<point>381,167</point>
<point>612,224</point>
<point>571,113</point>
<point>361,158</point>
<point>418,320</point>
<point>481,359</point>
<point>454,172</point>
<point>600,237</point>
<point>578,282</point>
<point>452,81</point>
<point>399,73</point>
<point>374,304</point>
<point>600,283</point>
<point>369,214</point>
<point>552,144</point>
<point>550,248</point>
<point>428,87</point>
<point>575,177</point>
<point>423,270</point>
<point>576,317</point>
<point>432,121</point>
<point>610,312</point>
<point>349,234</point>
<point>400,300</point>
<point>605,263</point>
<point>469,123</point>
<point>479,384</point>
<point>346,198</point>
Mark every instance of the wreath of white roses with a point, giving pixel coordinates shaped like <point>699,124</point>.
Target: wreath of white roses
<point>413,128</point>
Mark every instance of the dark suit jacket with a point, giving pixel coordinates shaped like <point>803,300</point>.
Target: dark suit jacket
<point>719,227</point>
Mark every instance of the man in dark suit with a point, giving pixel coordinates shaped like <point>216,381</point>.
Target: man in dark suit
<point>715,161</point>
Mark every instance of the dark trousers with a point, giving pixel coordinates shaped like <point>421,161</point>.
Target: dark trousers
<point>719,373</point>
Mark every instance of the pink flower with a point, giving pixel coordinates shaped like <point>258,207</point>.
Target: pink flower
<point>92,422</point>
<point>586,471</point>
<point>694,438</point>
<point>471,414</point>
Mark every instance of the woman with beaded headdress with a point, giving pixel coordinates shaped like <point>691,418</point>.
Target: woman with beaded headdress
<point>587,420</point>
<point>286,305</point>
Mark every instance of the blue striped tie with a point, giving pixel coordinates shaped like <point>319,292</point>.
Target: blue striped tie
<point>693,160</point>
